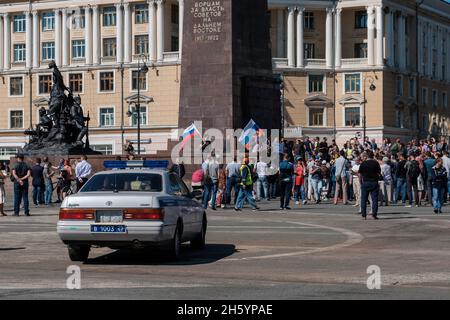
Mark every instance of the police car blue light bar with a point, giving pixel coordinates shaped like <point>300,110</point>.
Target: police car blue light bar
<point>148,164</point>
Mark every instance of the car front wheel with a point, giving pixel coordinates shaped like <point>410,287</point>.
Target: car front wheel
<point>79,253</point>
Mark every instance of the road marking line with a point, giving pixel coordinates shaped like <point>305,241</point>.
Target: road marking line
<point>352,239</point>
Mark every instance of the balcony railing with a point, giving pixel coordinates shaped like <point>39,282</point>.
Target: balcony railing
<point>315,63</point>
<point>278,63</point>
<point>353,62</point>
<point>171,56</point>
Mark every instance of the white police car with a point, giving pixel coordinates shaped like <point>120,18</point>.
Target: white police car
<point>135,204</point>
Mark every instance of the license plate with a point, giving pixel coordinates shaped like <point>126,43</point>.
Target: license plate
<point>109,216</point>
<point>108,229</point>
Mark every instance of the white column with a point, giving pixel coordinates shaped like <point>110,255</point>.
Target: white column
<point>290,35</point>
<point>28,41</point>
<point>380,32</point>
<point>36,40</point>
<point>119,33</point>
<point>65,39</point>
<point>7,41</point>
<point>57,38</point>
<point>338,39</point>
<point>152,30</point>
<point>180,27</point>
<point>88,35</point>
<point>280,33</point>
<point>96,42</point>
<point>2,42</point>
<point>300,27</point>
<point>160,29</point>
<point>329,38</point>
<point>127,33</point>
<point>370,37</point>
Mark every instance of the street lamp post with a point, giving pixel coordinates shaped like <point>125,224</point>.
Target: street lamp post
<point>372,87</point>
<point>142,68</point>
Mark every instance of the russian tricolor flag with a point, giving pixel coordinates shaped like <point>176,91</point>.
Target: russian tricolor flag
<point>188,134</point>
<point>250,131</point>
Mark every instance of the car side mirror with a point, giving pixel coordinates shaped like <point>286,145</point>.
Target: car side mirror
<point>197,194</point>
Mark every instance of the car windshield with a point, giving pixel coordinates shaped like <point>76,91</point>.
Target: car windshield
<point>133,182</point>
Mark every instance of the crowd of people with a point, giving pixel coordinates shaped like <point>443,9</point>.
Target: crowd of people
<point>311,171</point>
<point>46,179</point>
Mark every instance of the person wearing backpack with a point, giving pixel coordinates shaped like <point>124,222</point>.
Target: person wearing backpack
<point>20,173</point>
<point>439,182</point>
<point>412,174</point>
<point>286,174</point>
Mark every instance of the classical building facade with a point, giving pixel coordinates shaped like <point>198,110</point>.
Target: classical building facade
<point>346,66</point>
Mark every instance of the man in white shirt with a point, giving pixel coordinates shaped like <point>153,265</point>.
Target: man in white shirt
<point>82,171</point>
<point>446,165</point>
<point>262,182</point>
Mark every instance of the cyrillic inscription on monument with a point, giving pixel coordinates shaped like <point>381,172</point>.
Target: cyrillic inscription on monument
<point>207,17</point>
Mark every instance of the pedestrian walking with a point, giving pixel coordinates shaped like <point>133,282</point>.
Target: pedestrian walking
<point>37,181</point>
<point>286,174</point>
<point>370,172</point>
<point>386,182</point>
<point>341,177</point>
<point>21,173</point>
<point>82,172</point>
<point>412,174</point>
<point>2,188</point>
<point>439,181</point>
<point>299,183</point>
<point>356,181</point>
<point>262,183</point>
<point>211,183</point>
<point>232,172</point>
<point>400,173</point>
<point>246,188</point>
<point>316,180</point>
<point>48,180</point>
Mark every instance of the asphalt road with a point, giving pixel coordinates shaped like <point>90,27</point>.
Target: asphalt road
<point>311,252</point>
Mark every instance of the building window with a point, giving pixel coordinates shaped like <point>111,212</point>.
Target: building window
<point>141,45</point>
<point>352,83</point>
<point>19,23</point>
<point>425,124</point>
<point>308,21</point>
<point>175,14</point>
<point>109,16</point>
<point>433,70</point>
<point>360,19</point>
<point>79,20</point>
<point>360,50</point>
<point>16,119</point>
<point>399,86</point>
<point>424,96</point>
<point>45,84</point>
<point>143,115</point>
<point>434,99</point>
<point>142,81</point>
<point>106,117</point>
<point>174,43</point>
<point>109,47</point>
<point>444,70</point>
<point>48,50</point>
<point>400,117</point>
<point>106,149</point>
<point>48,21</point>
<point>315,83</point>
<point>444,100</point>
<point>107,81</point>
<point>141,13</point>
<point>353,117</point>
<point>309,50</point>
<point>76,82</point>
<point>19,52</point>
<point>9,151</point>
<point>316,117</point>
<point>78,49</point>
<point>412,87</point>
<point>15,86</point>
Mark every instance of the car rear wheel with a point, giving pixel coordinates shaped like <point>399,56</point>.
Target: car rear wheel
<point>175,244</point>
<point>200,240</point>
<point>79,253</point>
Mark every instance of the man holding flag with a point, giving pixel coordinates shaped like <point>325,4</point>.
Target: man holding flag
<point>188,134</point>
<point>249,134</point>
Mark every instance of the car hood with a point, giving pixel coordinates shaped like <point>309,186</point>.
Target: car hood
<point>112,200</point>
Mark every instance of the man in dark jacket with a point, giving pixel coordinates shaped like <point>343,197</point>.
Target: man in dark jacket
<point>37,174</point>
<point>370,172</point>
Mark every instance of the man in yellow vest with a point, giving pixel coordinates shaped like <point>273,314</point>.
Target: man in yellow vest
<point>246,189</point>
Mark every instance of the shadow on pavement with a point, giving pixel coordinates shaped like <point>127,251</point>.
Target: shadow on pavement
<point>211,253</point>
<point>11,249</point>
